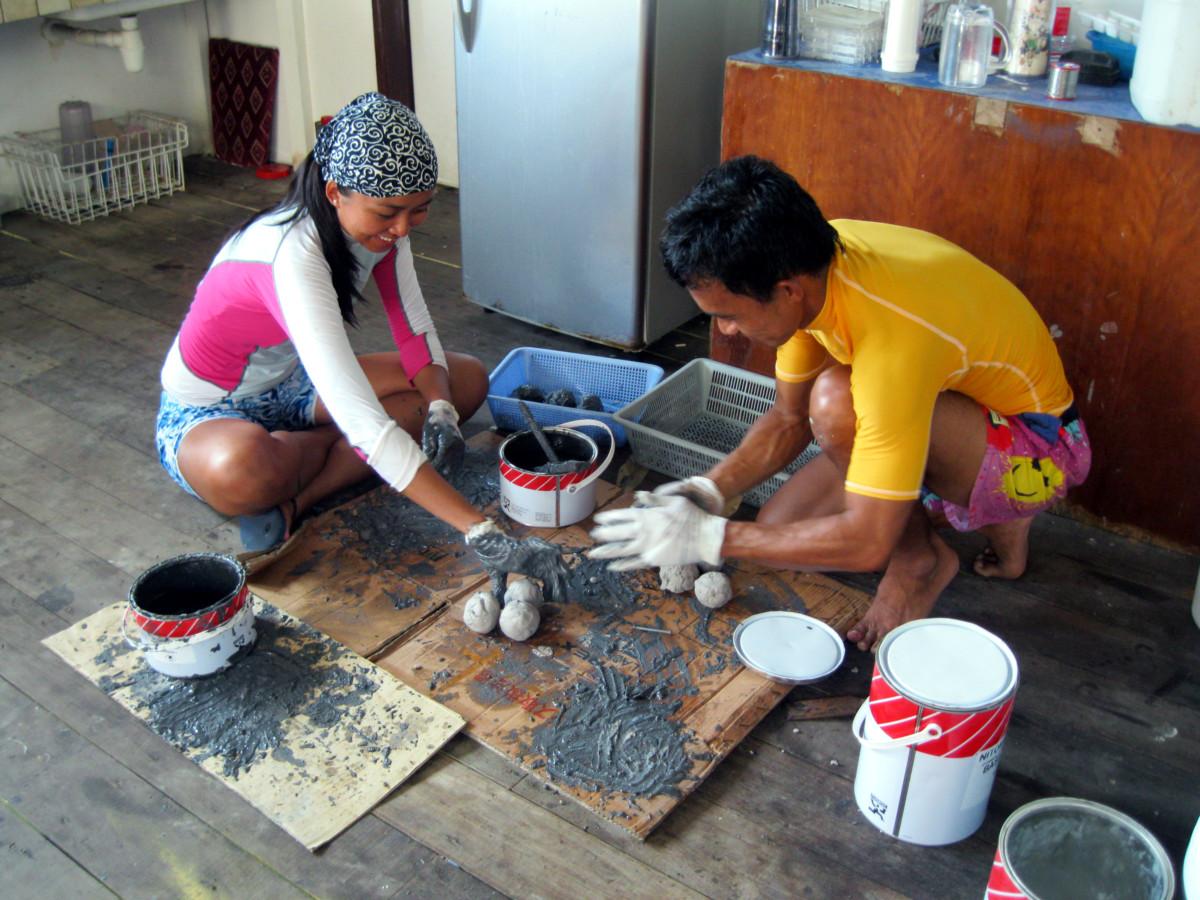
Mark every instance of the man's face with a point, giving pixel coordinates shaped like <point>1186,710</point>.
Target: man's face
<point>771,323</point>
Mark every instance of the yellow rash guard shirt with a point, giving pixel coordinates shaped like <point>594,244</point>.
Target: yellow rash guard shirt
<point>914,315</point>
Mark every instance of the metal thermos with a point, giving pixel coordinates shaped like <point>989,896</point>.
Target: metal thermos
<point>75,123</point>
<point>780,32</point>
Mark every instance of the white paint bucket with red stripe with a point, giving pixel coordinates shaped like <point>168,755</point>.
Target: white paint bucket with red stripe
<point>932,729</point>
<point>551,501</point>
<point>192,614</point>
<point>1061,848</point>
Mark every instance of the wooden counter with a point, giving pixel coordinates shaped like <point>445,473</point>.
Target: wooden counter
<point>1094,217</point>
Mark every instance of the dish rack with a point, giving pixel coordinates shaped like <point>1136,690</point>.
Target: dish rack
<point>695,417</point>
<point>133,158</point>
<point>932,17</point>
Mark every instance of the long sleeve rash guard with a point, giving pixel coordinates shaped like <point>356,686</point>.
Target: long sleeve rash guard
<point>267,301</point>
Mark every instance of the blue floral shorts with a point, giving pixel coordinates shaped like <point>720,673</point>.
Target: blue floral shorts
<point>289,406</point>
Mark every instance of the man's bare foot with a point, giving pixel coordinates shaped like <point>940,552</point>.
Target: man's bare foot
<point>1007,552</point>
<point>907,591</point>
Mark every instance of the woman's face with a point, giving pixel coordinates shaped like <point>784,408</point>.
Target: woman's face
<point>378,222</point>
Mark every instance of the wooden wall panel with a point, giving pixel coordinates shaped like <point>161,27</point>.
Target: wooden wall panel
<point>1094,219</point>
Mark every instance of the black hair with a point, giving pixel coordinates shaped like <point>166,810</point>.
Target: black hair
<point>306,197</point>
<point>748,225</point>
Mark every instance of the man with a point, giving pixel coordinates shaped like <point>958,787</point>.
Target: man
<point>928,379</point>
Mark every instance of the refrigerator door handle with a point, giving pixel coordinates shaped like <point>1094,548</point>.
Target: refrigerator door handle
<point>466,21</point>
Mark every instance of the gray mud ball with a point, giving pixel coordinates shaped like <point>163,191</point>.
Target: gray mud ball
<point>713,589</point>
<point>677,579</point>
<point>561,398</point>
<point>530,392</point>
<point>524,591</point>
<point>520,620</point>
<point>592,402</point>
<point>482,612</point>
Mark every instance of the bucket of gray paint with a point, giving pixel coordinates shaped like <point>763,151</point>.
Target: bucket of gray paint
<point>533,497</point>
<point>191,615</point>
<point>1062,847</point>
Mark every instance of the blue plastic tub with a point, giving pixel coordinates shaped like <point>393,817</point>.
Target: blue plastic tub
<point>616,382</point>
<point>1122,50</point>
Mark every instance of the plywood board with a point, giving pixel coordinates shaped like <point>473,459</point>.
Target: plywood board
<point>379,567</point>
<point>313,751</point>
<point>653,671</point>
<point>627,697</point>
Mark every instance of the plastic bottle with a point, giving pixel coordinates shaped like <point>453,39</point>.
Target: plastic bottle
<point>1165,87</point>
<point>900,35</point>
<point>1060,33</point>
<point>1029,33</point>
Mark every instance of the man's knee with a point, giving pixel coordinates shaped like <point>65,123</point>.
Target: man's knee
<point>831,408</point>
<point>468,383</point>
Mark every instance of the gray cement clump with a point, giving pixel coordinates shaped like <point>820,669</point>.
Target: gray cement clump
<point>591,402</point>
<point>482,612</point>
<point>519,620</point>
<point>713,589</point>
<point>524,591</point>
<point>561,398</point>
<point>678,579</point>
<point>529,392</point>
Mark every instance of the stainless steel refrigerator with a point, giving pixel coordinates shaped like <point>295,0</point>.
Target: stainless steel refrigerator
<point>580,122</point>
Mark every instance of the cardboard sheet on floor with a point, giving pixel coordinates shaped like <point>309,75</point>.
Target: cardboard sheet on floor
<point>625,699</point>
<point>379,567</point>
<point>309,733</point>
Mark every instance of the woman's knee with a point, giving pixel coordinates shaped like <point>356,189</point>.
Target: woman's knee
<point>831,408</point>
<point>242,476</point>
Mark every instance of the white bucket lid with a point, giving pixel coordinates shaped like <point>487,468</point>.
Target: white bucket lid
<point>948,664</point>
<point>789,647</point>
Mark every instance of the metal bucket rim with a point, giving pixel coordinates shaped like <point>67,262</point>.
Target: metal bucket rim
<point>591,461</point>
<point>885,670</point>
<point>235,564</point>
<point>1147,837</point>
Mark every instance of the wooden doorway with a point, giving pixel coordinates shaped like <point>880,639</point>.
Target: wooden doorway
<point>393,50</point>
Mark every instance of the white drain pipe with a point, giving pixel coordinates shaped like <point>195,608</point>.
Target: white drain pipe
<point>128,40</point>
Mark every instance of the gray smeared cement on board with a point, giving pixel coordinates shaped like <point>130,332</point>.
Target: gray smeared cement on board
<point>237,715</point>
<point>388,529</point>
<point>613,734</point>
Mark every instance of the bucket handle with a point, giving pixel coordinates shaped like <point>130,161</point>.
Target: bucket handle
<point>930,732</point>
<point>612,448</point>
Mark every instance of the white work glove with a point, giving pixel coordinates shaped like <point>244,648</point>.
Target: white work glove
<point>700,490</point>
<point>501,553</point>
<point>658,531</point>
<point>441,441</point>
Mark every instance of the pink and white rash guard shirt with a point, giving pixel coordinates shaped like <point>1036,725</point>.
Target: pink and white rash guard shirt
<point>268,300</point>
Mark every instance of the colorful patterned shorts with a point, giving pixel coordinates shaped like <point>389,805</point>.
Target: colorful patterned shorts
<point>1030,461</point>
<point>289,406</point>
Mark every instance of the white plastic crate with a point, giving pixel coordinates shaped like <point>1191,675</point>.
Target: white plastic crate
<point>695,417</point>
<point>134,158</point>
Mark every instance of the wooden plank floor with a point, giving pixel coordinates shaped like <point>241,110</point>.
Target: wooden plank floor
<point>92,803</point>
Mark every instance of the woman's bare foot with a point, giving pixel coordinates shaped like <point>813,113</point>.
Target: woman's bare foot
<point>909,589</point>
<point>1007,552</point>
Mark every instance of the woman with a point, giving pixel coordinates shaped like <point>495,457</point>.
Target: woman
<point>265,408</point>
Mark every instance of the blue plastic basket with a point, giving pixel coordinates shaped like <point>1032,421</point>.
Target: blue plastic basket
<point>616,382</point>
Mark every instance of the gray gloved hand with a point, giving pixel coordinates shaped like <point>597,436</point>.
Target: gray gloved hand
<point>659,531</point>
<point>502,553</point>
<point>700,490</point>
<point>441,441</point>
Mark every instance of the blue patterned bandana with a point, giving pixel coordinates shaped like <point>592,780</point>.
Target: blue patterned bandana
<point>377,147</point>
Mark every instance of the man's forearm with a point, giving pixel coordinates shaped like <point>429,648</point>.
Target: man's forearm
<point>771,443</point>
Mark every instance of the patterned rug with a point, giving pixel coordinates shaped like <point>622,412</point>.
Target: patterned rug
<point>243,79</point>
